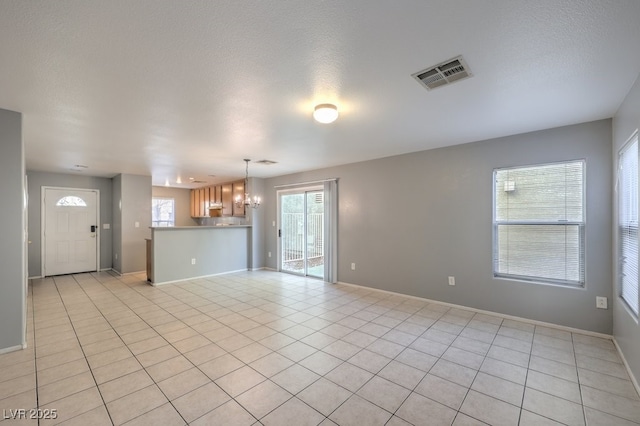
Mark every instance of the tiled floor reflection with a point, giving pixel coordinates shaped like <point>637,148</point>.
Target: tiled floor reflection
<point>274,349</point>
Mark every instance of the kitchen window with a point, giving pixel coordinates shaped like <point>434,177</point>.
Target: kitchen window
<point>163,212</point>
<point>539,223</point>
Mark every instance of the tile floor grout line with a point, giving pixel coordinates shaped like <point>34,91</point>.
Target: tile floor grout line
<point>246,294</point>
<point>575,358</point>
<point>198,368</point>
<point>145,368</point>
<point>458,412</point>
<point>80,344</point>
<point>35,346</point>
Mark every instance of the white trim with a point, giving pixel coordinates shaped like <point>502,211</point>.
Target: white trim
<point>43,190</point>
<point>313,182</point>
<point>481,311</point>
<point>120,274</point>
<point>11,349</point>
<point>133,273</point>
<point>197,278</point>
<point>626,365</point>
<point>35,278</point>
<point>257,269</point>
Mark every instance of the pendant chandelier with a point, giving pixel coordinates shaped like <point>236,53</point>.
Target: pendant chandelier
<point>247,201</point>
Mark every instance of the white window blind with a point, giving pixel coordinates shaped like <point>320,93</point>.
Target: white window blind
<point>539,223</point>
<point>163,212</point>
<point>628,223</point>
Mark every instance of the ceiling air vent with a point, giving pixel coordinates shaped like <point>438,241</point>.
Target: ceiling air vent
<point>444,73</point>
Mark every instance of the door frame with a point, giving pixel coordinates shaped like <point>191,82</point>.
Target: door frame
<point>300,190</point>
<point>43,211</point>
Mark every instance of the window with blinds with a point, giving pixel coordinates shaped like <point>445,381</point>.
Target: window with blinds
<point>628,223</point>
<point>539,223</point>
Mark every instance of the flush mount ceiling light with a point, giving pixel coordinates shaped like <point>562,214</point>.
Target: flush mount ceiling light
<point>325,113</point>
<point>247,201</point>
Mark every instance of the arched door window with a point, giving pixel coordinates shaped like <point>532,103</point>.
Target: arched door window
<point>71,201</point>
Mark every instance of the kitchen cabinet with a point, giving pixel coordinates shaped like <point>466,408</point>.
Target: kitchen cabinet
<point>227,199</point>
<point>202,202</point>
<point>218,194</point>
<point>238,191</point>
<point>203,198</point>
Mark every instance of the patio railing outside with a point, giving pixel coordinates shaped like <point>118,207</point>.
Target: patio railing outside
<point>293,247</point>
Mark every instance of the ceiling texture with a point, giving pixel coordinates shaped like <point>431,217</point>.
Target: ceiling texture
<point>178,89</point>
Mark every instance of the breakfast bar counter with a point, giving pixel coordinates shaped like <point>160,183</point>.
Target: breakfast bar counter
<point>186,252</point>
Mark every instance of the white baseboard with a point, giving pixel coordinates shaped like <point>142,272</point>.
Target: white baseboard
<point>133,273</point>
<point>480,311</point>
<point>197,278</point>
<point>35,277</point>
<point>626,365</point>
<point>11,349</point>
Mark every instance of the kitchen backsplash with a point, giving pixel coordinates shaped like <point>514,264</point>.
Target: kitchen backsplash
<point>225,220</point>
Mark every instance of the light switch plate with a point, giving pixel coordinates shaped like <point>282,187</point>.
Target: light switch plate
<point>106,226</point>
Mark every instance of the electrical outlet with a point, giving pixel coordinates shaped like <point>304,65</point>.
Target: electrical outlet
<point>193,261</point>
<point>269,254</point>
<point>116,256</point>
<point>137,224</point>
<point>353,266</point>
<point>273,223</point>
<point>601,302</point>
<point>452,280</point>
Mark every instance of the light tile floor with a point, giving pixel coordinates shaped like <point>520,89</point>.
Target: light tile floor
<point>274,349</point>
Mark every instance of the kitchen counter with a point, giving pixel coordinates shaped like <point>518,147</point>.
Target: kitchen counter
<point>168,228</point>
<point>181,253</point>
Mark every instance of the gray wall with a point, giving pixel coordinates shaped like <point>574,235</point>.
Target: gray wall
<point>410,221</point>
<point>255,217</point>
<point>12,278</point>
<point>625,328</point>
<point>136,207</point>
<point>182,199</point>
<point>217,250</point>
<point>39,179</point>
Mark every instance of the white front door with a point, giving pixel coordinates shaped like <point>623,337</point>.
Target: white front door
<point>70,231</point>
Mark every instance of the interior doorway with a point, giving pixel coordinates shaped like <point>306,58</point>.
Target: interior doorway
<point>70,237</point>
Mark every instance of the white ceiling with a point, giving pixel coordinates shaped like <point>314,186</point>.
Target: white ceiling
<point>187,89</point>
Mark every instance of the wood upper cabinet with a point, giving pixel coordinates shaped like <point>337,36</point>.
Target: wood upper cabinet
<point>217,190</point>
<point>201,201</point>
<point>193,203</point>
<point>227,199</point>
<point>203,198</point>
<point>238,191</point>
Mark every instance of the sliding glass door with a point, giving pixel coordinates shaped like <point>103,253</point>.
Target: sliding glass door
<point>302,231</point>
